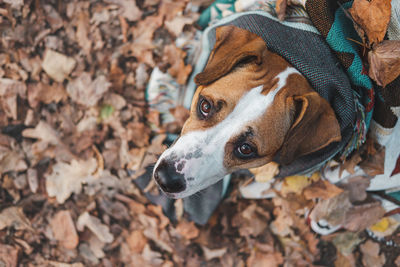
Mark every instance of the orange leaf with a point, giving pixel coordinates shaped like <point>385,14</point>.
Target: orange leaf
<point>373,17</point>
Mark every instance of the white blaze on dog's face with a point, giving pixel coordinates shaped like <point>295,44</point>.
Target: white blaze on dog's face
<point>249,105</point>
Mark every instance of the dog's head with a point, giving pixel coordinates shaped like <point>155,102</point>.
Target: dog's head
<point>250,104</point>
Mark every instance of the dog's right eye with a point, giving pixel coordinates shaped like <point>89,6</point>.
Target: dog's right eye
<point>204,108</point>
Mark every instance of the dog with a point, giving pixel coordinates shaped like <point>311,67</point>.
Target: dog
<point>250,104</point>
<point>258,103</point>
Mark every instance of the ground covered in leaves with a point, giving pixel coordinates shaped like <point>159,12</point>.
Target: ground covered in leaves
<point>74,120</point>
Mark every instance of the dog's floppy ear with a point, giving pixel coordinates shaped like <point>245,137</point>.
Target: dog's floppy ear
<point>232,46</point>
<point>315,126</point>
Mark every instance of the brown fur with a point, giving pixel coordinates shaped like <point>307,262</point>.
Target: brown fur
<point>298,123</point>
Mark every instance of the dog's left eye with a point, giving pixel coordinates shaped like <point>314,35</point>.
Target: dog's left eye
<point>204,107</point>
<point>245,150</point>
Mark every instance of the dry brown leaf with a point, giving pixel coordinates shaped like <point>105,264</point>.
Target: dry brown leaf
<point>136,241</point>
<point>45,93</point>
<point>266,172</point>
<point>66,179</point>
<point>344,261</point>
<point>371,257</point>
<point>346,242</point>
<point>14,217</point>
<point>12,157</point>
<point>82,33</point>
<point>359,217</point>
<point>128,9</point>
<point>57,65</point>
<point>187,229</point>
<point>321,189</point>
<point>86,91</point>
<point>357,187</point>
<point>373,17</point>
<point>350,163</point>
<point>63,228</point>
<point>8,255</point>
<point>142,45</point>
<point>384,62</point>
<point>175,26</point>
<point>374,164</point>
<point>260,259</point>
<point>210,254</point>
<point>170,8</point>
<point>94,224</point>
<point>44,132</point>
<point>181,114</point>
<point>332,210</point>
<point>281,9</point>
<point>9,90</point>
<point>178,69</point>
<point>157,210</point>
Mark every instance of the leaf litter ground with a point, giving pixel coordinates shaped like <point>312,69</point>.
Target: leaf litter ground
<point>74,119</point>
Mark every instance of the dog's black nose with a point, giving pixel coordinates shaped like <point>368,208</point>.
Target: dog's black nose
<point>168,179</point>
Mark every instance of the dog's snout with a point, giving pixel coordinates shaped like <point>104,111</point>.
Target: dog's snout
<point>168,179</point>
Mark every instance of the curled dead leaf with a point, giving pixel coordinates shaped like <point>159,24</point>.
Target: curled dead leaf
<point>266,172</point>
<point>101,230</point>
<point>384,62</point>
<point>64,231</point>
<point>57,65</point>
<point>373,17</point>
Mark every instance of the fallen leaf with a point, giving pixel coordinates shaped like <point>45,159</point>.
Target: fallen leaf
<point>346,242</point>
<point>266,172</point>
<point>321,189</point>
<point>95,226</point>
<point>44,132</point>
<point>15,3</point>
<point>12,157</point>
<point>8,256</point>
<point>66,179</point>
<point>136,241</point>
<point>178,69</point>
<point>210,254</point>
<point>53,18</point>
<point>9,90</point>
<point>82,33</point>
<point>385,227</point>
<point>128,9</point>
<point>357,187</point>
<point>44,93</point>
<point>344,261</point>
<point>350,163</point>
<point>384,62</point>
<point>63,264</point>
<point>15,218</point>
<point>57,65</point>
<point>187,229</point>
<point>260,259</point>
<point>362,216</point>
<point>63,229</point>
<point>281,9</point>
<point>371,257</point>
<point>175,26</point>
<point>295,184</point>
<point>86,92</point>
<point>373,17</point>
<point>181,114</point>
<point>142,45</point>
<point>374,164</point>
